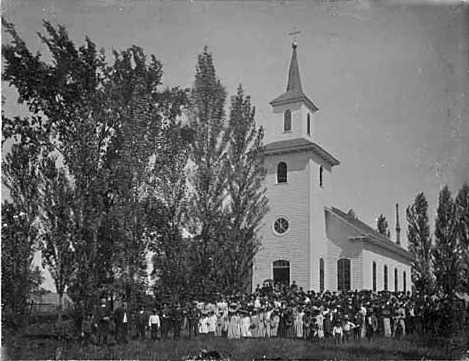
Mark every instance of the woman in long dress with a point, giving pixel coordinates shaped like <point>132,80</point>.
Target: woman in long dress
<point>233,325</point>
<point>267,322</point>
<point>254,326</point>
<point>289,324</point>
<point>274,323</point>
<point>299,323</point>
<point>261,331</point>
<point>245,325</point>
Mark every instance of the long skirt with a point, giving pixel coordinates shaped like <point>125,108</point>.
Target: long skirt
<point>387,327</point>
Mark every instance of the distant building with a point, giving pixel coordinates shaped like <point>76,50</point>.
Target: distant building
<point>304,239</point>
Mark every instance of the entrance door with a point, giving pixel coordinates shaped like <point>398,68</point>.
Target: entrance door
<point>281,271</point>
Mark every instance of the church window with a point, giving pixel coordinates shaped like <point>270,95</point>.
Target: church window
<point>308,124</point>
<point>396,283</point>
<point>282,172</point>
<point>374,276</point>
<point>385,277</point>
<point>343,274</point>
<point>320,176</point>
<point>281,272</point>
<point>404,281</point>
<point>281,225</point>
<point>287,121</point>
<point>321,274</point>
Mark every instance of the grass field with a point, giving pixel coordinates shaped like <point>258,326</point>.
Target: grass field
<point>248,349</point>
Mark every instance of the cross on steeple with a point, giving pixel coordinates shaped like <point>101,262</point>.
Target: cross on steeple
<point>294,33</point>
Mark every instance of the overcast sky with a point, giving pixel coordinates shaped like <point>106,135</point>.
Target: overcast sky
<point>391,82</point>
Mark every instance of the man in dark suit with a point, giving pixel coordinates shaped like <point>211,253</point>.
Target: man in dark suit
<point>177,317</point>
<point>193,316</point>
<point>103,314</point>
<point>142,323</point>
<point>121,318</point>
<point>165,321</point>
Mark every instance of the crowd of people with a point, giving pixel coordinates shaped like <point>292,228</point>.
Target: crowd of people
<point>278,311</point>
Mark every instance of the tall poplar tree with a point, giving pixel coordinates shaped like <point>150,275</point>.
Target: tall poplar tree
<point>462,218</point>
<point>420,244</point>
<point>207,177</point>
<point>100,120</point>
<point>246,194</point>
<point>445,251</point>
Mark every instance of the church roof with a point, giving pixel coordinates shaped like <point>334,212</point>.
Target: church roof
<point>368,234</point>
<point>294,89</point>
<point>299,144</point>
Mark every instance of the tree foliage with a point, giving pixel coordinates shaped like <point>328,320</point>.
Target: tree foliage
<point>99,119</point>
<point>247,203</point>
<point>462,219</point>
<point>382,226</point>
<point>446,257</point>
<point>420,244</point>
<point>58,225</point>
<point>208,175</point>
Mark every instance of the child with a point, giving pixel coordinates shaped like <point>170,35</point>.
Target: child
<point>212,323</point>
<point>347,327</point>
<point>337,332</point>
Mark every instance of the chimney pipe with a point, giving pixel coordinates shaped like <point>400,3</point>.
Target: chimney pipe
<point>398,228</point>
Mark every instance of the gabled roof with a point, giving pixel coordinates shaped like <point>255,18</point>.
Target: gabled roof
<point>368,234</point>
<point>299,144</point>
<point>294,91</point>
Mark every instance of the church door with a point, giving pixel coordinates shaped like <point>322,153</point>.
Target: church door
<point>281,271</point>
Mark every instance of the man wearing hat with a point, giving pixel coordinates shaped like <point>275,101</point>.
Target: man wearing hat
<point>193,316</point>
<point>154,324</point>
<point>103,314</point>
<point>177,317</point>
<point>165,321</point>
<point>121,319</point>
<point>142,323</point>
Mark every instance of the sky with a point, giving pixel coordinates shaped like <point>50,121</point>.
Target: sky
<point>390,79</point>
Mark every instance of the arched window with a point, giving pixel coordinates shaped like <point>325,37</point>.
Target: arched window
<point>287,120</point>
<point>308,124</point>
<point>321,274</point>
<point>281,272</point>
<point>282,172</point>
<point>385,277</point>
<point>320,176</point>
<point>404,284</point>
<point>396,283</point>
<point>374,276</point>
<point>343,274</point>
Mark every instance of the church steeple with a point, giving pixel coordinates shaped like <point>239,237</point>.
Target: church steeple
<point>294,91</point>
<point>294,79</point>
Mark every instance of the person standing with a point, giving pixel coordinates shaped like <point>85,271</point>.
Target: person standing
<point>386,315</point>
<point>165,321</point>
<point>121,319</point>
<point>142,322</point>
<point>103,314</point>
<point>362,324</point>
<point>154,324</point>
<point>193,316</point>
<point>274,323</point>
<point>177,317</point>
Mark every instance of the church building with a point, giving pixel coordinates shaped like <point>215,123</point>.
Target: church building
<point>304,239</point>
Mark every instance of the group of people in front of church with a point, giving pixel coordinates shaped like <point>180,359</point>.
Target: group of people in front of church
<point>280,311</point>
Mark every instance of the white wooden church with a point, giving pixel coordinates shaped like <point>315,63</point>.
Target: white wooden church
<point>304,239</point>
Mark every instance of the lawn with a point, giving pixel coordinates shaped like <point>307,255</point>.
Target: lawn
<point>247,349</point>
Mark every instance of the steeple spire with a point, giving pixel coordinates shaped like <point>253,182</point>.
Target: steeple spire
<point>294,79</point>
<point>294,92</point>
